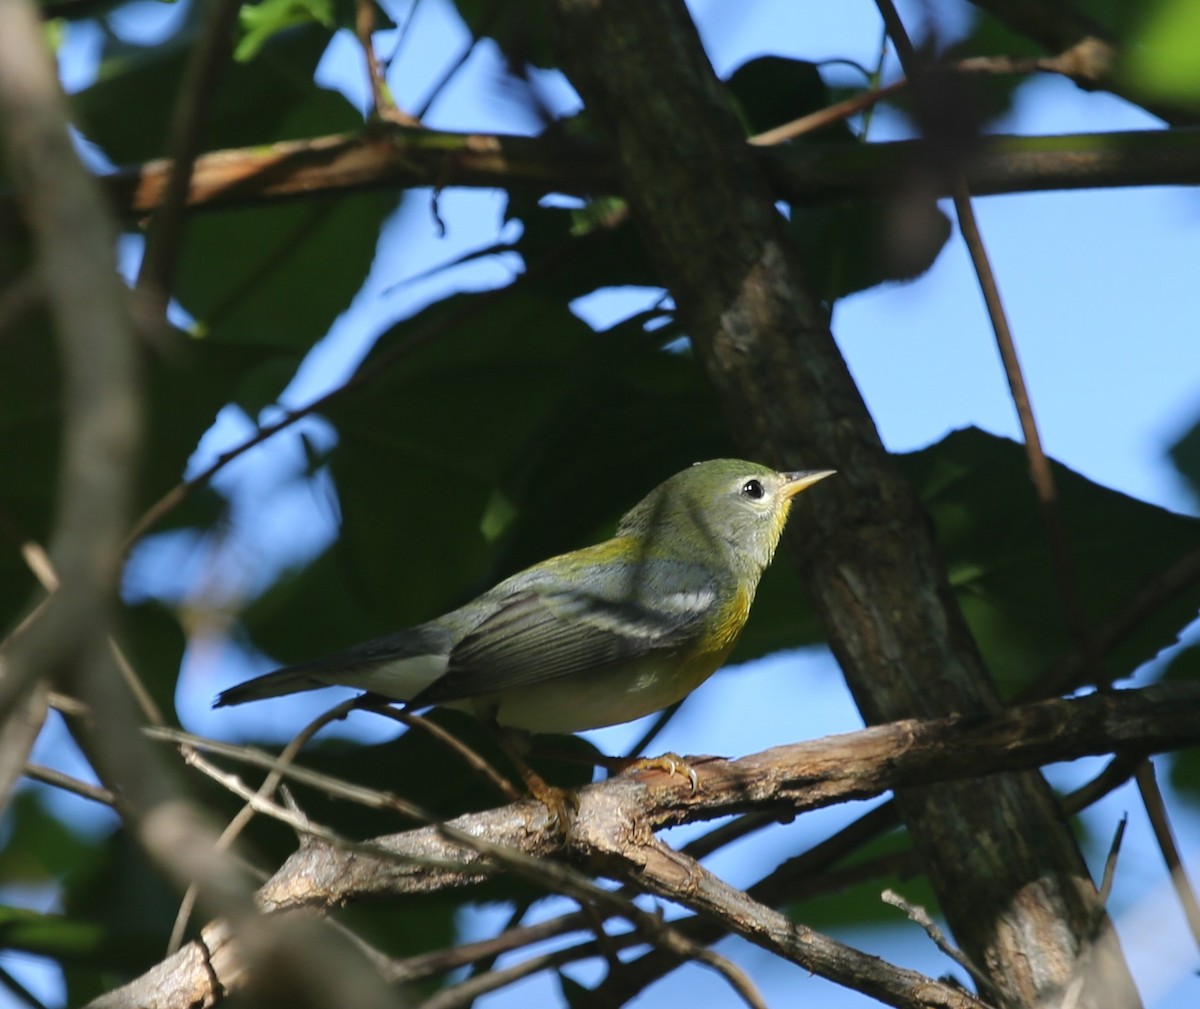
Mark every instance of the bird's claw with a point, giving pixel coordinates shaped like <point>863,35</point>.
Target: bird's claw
<point>671,763</point>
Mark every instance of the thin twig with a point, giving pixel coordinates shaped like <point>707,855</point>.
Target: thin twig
<point>383,105</point>
<point>824,117</point>
<point>18,989</point>
<point>305,827</point>
<point>243,817</point>
<point>1110,862</point>
<point>423,965</point>
<point>470,756</point>
<point>1156,810</point>
<point>447,76</point>
<point>1039,465</point>
<point>1084,961</point>
<point>651,733</point>
<point>50,776</point>
<point>164,238</point>
<point>338,788</point>
<point>920,916</point>
<point>1116,772</point>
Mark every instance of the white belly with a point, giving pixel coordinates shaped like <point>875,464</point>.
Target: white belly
<point>594,700</point>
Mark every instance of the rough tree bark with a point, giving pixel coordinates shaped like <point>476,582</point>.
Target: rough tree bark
<point>1007,871</point>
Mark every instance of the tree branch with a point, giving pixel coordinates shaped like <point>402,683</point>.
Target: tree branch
<point>616,817</point>
<point>395,157</point>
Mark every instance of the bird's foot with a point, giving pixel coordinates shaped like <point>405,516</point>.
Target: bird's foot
<point>561,803</point>
<point>671,763</point>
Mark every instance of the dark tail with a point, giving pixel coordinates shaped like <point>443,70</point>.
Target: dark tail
<point>282,681</point>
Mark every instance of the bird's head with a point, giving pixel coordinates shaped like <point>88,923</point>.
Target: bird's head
<point>724,511</point>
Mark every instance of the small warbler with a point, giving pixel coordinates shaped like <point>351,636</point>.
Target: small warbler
<point>599,636</point>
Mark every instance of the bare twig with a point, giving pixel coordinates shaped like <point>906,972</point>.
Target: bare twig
<point>164,237</point>
<point>802,776</point>
<point>553,876</point>
<point>920,916</point>
<point>824,117</point>
<point>364,376</point>
<point>1110,862</point>
<point>383,105</point>
<point>1039,465</point>
<point>235,826</point>
<point>1156,810</point>
<point>471,757</point>
<point>661,871</point>
<point>50,776</point>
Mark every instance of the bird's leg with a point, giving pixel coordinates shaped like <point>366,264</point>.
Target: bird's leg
<point>556,800</point>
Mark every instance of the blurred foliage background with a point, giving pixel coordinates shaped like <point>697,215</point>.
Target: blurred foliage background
<point>491,427</point>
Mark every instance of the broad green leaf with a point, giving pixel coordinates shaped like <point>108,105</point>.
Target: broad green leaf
<point>73,941</point>
<point>521,30</point>
<point>39,848</point>
<point>260,22</point>
<point>1162,62</point>
<point>264,284</point>
<point>573,252</point>
<point>770,91</point>
<point>128,111</point>
<point>850,246</point>
<point>979,494</point>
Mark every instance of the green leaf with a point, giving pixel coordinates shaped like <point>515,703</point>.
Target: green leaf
<point>977,489</point>
<point>1163,60</point>
<point>521,30</point>
<point>128,111</point>
<point>771,90</point>
<point>123,894</point>
<point>40,849</point>
<point>573,252</point>
<point>262,21</point>
<point>848,247</point>
<point>264,284</point>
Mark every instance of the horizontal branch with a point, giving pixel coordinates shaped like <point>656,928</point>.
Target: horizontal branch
<point>399,157</point>
<point>616,819</point>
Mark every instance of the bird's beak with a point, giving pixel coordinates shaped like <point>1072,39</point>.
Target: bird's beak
<point>794,483</point>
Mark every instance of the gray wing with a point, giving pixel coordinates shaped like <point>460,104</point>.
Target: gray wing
<point>545,634</point>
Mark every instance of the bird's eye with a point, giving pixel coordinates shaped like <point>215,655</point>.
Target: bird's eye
<point>752,489</point>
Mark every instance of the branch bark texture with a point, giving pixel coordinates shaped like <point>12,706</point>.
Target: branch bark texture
<point>1008,874</point>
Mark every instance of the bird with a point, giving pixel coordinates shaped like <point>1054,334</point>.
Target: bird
<point>594,637</point>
